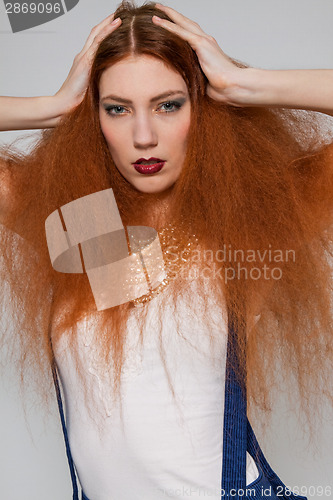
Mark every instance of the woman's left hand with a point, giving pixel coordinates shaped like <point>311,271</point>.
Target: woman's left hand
<point>221,72</point>
<point>310,89</point>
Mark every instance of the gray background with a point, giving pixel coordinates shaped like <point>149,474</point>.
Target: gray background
<point>264,33</point>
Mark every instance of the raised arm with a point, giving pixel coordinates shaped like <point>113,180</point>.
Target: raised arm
<point>22,113</point>
<point>310,89</point>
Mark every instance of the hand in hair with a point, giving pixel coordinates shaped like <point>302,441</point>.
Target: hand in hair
<point>72,91</point>
<point>222,73</point>
<point>309,89</point>
<point>23,113</point>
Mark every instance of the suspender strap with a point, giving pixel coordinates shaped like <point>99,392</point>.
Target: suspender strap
<point>234,426</point>
<point>63,424</point>
<point>278,486</point>
<point>239,437</point>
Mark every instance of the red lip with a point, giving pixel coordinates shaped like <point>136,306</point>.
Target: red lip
<point>140,160</point>
<point>148,169</point>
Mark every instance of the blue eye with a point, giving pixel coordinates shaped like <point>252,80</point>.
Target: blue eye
<point>114,109</point>
<point>171,106</point>
<point>166,107</point>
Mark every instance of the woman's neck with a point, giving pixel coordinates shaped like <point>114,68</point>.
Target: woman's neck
<point>153,210</point>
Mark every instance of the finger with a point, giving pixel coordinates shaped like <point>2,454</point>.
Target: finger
<point>192,38</point>
<point>101,35</point>
<point>96,30</point>
<point>181,20</point>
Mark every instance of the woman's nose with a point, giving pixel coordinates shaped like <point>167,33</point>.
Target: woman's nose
<point>144,133</point>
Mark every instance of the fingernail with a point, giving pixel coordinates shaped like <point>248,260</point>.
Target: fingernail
<point>116,20</point>
<point>158,18</point>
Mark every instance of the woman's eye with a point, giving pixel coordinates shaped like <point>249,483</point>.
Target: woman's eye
<point>166,107</point>
<point>115,110</point>
<point>171,106</point>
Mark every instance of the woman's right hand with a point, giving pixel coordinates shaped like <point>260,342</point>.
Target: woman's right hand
<point>72,90</point>
<point>25,113</point>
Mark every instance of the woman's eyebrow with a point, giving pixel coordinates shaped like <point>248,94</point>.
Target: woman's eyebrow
<point>169,93</point>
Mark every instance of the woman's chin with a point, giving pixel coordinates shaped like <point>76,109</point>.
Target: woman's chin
<point>152,186</point>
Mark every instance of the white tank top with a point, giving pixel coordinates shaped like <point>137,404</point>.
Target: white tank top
<point>161,447</point>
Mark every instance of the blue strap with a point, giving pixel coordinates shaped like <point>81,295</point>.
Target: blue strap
<point>234,425</point>
<point>63,424</point>
<point>278,486</point>
<point>239,437</point>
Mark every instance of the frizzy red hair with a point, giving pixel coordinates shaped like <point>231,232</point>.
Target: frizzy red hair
<point>253,179</point>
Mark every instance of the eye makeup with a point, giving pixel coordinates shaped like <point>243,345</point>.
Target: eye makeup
<point>118,109</point>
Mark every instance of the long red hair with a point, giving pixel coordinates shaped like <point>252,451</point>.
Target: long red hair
<point>254,179</point>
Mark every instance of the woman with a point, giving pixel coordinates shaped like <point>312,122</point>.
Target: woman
<point>242,195</point>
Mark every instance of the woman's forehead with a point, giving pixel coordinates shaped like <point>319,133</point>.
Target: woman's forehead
<point>141,75</point>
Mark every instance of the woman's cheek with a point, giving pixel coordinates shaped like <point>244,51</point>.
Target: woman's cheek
<point>111,136</point>
<point>182,133</point>
<point>106,130</point>
<point>176,133</point>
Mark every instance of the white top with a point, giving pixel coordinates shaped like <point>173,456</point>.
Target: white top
<point>161,448</point>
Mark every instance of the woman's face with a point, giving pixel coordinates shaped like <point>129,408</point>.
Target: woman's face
<point>145,113</point>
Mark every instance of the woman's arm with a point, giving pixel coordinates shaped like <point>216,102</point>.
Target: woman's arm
<point>310,89</point>
<point>21,113</point>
